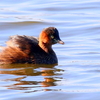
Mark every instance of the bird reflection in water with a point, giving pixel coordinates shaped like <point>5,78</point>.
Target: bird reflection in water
<point>50,76</point>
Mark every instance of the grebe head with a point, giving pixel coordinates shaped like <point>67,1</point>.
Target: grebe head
<point>50,35</point>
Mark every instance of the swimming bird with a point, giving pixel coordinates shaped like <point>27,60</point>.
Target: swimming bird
<point>29,49</point>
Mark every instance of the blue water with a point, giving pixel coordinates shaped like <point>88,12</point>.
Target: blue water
<point>76,77</point>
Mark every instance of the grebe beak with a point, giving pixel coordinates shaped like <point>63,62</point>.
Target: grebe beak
<point>60,42</point>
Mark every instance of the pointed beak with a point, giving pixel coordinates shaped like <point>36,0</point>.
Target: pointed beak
<point>60,42</point>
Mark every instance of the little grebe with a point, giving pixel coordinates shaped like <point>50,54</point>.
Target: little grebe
<point>28,49</point>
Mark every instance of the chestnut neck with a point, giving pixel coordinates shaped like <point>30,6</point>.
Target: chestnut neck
<point>46,47</point>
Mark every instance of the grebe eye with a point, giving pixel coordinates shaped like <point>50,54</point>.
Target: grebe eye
<point>52,36</point>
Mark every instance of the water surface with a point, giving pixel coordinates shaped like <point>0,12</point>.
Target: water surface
<point>76,77</point>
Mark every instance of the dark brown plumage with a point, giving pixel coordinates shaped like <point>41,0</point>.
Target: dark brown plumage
<point>28,49</point>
